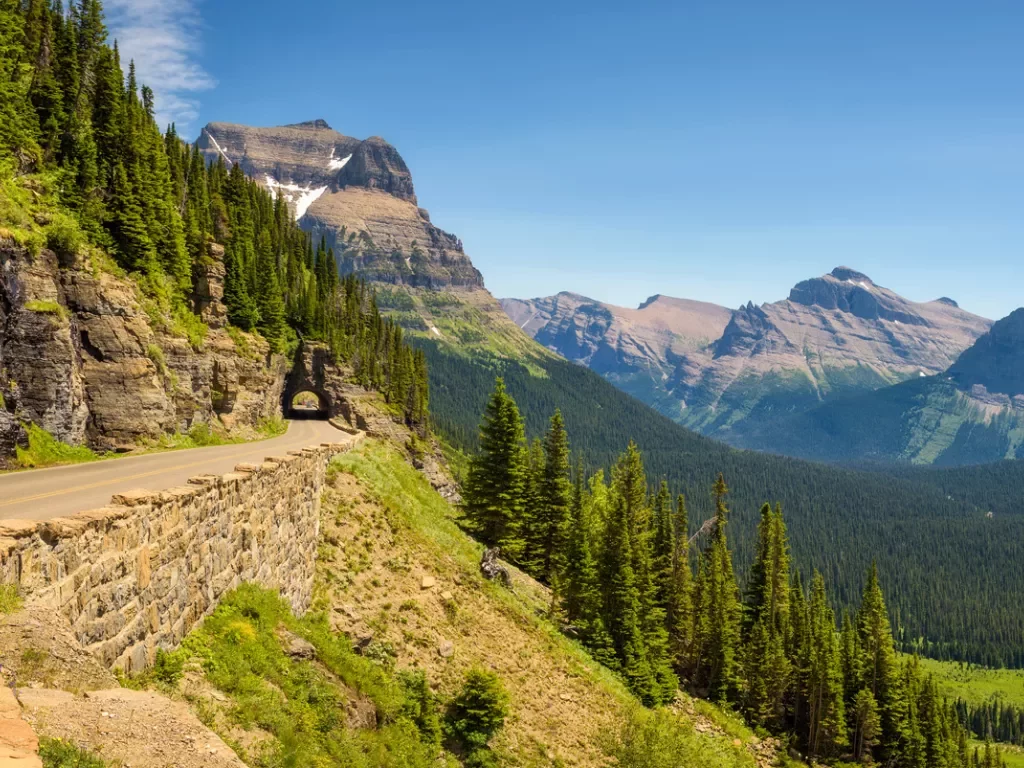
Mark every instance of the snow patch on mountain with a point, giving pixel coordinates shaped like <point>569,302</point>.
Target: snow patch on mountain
<point>334,164</point>
<point>217,146</point>
<point>300,197</point>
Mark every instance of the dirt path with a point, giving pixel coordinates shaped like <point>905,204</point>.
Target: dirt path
<point>141,729</point>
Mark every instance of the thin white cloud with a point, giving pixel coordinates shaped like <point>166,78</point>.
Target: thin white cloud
<point>163,37</point>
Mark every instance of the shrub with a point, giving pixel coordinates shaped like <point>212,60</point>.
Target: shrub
<point>10,600</point>
<point>63,236</point>
<point>156,354</point>
<point>57,753</point>
<point>169,666</point>
<point>478,711</point>
<point>421,705</point>
<point>660,739</point>
<point>45,450</point>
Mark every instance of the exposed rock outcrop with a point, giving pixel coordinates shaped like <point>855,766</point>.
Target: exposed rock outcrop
<point>81,357</point>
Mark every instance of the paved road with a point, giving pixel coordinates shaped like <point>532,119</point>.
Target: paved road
<point>41,494</point>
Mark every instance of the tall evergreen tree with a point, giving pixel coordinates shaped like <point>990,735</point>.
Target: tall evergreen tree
<point>497,475</point>
<point>879,667</point>
<point>679,597</point>
<point>552,513</point>
<point>766,620</point>
<point>826,712</point>
<point>581,591</point>
<point>716,635</point>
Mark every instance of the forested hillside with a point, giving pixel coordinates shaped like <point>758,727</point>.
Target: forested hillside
<point>944,564</point>
<point>86,172</point>
<point>618,558</point>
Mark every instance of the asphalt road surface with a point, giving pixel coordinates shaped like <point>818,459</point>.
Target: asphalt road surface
<point>41,494</point>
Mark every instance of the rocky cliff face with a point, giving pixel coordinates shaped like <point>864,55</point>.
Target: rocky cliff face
<point>723,372</point>
<point>81,357</point>
<point>995,363</point>
<point>358,194</point>
<point>971,413</point>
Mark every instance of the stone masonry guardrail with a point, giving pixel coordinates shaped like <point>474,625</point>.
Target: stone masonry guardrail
<point>137,575</point>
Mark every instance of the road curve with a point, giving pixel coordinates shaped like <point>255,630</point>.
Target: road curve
<point>41,494</point>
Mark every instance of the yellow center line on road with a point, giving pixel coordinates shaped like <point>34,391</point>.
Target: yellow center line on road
<point>100,484</point>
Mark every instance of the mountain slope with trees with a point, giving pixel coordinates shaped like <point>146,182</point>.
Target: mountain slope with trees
<point>88,176</point>
<point>617,556</point>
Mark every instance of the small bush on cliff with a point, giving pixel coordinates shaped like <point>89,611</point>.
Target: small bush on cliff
<point>10,599</point>
<point>44,450</point>
<point>156,354</point>
<point>64,237</point>
<point>477,714</point>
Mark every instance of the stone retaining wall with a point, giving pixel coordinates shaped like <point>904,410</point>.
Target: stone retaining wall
<point>138,575</point>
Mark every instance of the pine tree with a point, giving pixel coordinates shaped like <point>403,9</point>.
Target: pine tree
<point>18,123</point>
<point>866,724</point>
<point>679,597</point>
<point>766,619</point>
<point>619,577</point>
<point>826,711</point>
<point>581,591</point>
<point>878,664</point>
<point>497,475</point>
<point>269,301</point>
<point>133,244</point>
<point>716,635</point>
<point>531,526</point>
<point>552,513</point>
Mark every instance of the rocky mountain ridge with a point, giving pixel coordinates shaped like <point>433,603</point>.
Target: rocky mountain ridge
<point>723,372</point>
<point>357,194</point>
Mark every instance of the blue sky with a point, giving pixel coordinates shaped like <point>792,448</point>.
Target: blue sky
<point>718,150</point>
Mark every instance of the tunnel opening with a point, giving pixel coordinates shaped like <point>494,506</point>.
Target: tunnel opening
<point>306,404</point>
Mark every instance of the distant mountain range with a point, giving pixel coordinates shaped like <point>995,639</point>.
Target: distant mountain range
<point>775,377</point>
<point>971,413</point>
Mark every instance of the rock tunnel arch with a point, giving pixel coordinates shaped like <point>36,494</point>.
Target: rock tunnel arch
<point>306,403</point>
<point>316,371</point>
<point>305,394</point>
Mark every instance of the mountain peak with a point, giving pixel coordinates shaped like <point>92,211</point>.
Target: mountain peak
<point>845,273</point>
<point>650,300</point>
<point>947,301</point>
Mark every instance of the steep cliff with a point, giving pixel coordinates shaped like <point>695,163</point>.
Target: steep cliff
<point>358,194</point>
<point>86,356</point>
